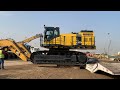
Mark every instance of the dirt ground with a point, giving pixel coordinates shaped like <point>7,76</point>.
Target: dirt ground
<point>18,69</point>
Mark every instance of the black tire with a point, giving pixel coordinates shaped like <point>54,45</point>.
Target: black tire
<point>115,59</point>
<point>6,56</point>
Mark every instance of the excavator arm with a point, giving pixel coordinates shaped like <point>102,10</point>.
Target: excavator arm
<point>22,46</point>
<point>14,47</point>
<point>31,38</point>
<point>24,50</point>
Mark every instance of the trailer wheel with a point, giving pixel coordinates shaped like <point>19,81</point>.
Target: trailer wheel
<point>115,59</point>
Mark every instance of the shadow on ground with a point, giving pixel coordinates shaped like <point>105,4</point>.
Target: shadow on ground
<point>56,66</point>
<point>112,76</point>
<point>4,77</point>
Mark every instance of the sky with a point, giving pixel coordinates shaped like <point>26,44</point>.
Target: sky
<point>19,25</point>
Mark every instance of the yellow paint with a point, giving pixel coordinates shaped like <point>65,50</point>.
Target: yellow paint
<point>66,39</point>
<point>87,38</point>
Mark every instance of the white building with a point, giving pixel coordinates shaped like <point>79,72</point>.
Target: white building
<point>118,53</point>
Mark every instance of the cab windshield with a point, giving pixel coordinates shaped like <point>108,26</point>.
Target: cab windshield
<point>51,33</point>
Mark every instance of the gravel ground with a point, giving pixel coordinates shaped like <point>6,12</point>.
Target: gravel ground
<point>18,69</point>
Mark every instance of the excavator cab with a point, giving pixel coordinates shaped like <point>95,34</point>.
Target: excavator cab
<point>51,33</point>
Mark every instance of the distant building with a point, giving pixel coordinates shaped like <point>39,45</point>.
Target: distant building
<point>118,53</point>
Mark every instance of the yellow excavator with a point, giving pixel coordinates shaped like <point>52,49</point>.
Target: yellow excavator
<point>59,46</point>
<point>18,48</point>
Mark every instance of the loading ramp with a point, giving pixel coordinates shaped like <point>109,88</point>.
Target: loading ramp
<point>109,67</point>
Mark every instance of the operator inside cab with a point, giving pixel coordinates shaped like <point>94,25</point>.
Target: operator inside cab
<point>51,32</point>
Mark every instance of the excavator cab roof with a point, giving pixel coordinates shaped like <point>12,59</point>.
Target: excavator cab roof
<point>86,30</point>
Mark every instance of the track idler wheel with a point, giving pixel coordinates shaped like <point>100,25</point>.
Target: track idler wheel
<point>82,59</point>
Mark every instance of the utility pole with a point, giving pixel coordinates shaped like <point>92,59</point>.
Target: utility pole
<point>109,42</point>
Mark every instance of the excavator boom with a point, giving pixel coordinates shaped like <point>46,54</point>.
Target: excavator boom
<point>24,50</point>
<point>19,48</point>
<point>31,38</point>
<point>14,47</point>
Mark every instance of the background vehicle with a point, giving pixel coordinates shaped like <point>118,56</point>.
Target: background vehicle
<point>15,49</point>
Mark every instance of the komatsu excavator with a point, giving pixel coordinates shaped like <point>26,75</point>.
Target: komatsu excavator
<point>59,46</point>
<point>61,51</point>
